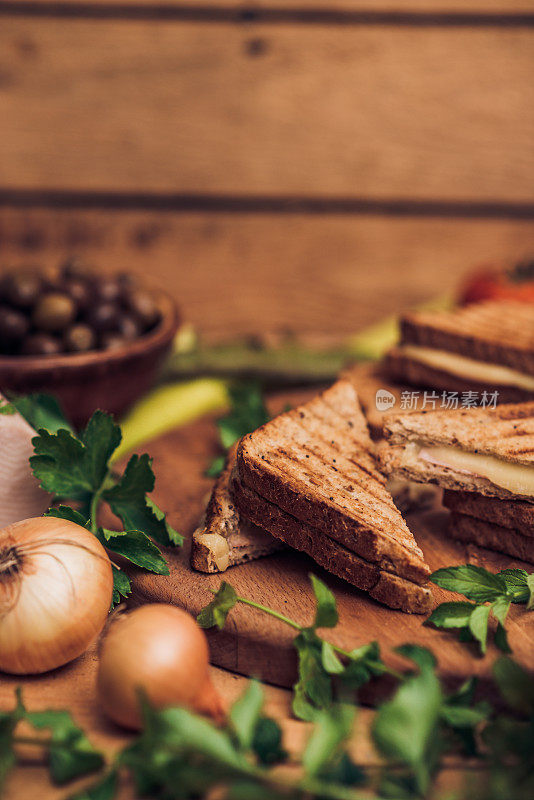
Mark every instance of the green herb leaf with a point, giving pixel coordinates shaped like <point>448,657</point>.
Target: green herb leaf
<point>406,728</point>
<point>71,754</point>
<point>330,660</point>
<point>516,584</point>
<point>515,685</point>
<point>475,583</point>
<point>136,547</point>
<point>247,413</point>
<point>332,728</point>
<point>216,467</point>
<point>128,502</point>
<point>501,639</point>
<point>451,615</point>
<point>59,465</point>
<point>215,613</point>
<point>7,409</point>
<point>104,789</point>
<point>267,742</point>
<point>326,615</point>
<point>530,585</point>
<point>121,585</point>
<point>245,714</point>
<point>8,722</point>
<point>42,411</point>
<point>68,513</point>
<point>314,688</point>
<point>478,625</point>
<point>500,608</point>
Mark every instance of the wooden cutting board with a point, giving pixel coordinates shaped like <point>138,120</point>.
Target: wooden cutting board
<point>257,645</point>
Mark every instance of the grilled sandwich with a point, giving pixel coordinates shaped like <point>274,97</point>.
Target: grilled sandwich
<point>484,450</point>
<point>503,525</point>
<point>223,538</point>
<point>310,478</point>
<point>486,347</point>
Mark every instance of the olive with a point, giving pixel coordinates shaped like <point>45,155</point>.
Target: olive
<point>14,325</point>
<point>81,292</point>
<point>79,338</point>
<point>128,327</point>
<point>112,341</point>
<point>77,267</point>
<point>127,280</point>
<point>143,307</point>
<point>40,344</point>
<point>109,290</point>
<point>54,312</point>
<point>103,317</point>
<point>22,288</point>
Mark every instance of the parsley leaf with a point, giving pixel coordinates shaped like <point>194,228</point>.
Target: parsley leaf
<point>121,585</point>
<point>475,583</point>
<point>247,413</point>
<point>127,500</point>
<point>136,547</point>
<point>215,613</point>
<point>42,411</point>
<point>68,513</point>
<point>326,615</point>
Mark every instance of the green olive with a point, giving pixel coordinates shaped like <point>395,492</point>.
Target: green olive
<point>54,312</point>
<point>14,325</point>
<point>79,338</point>
<point>40,344</point>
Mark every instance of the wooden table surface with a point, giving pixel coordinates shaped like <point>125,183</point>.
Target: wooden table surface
<point>306,166</point>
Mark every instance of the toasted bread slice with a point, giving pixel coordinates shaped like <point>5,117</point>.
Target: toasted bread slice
<point>484,450</point>
<point>385,587</point>
<point>494,537</point>
<point>223,538</point>
<point>369,380</point>
<point>486,346</point>
<point>317,464</point>
<point>513,514</point>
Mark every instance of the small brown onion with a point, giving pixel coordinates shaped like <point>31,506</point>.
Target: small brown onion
<point>160,650</point>
<point>56,585</point>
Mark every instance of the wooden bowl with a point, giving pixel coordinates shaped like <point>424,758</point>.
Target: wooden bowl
<point>108,379</point>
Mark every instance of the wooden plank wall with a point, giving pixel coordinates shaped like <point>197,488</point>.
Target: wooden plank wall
<point>306,165</point>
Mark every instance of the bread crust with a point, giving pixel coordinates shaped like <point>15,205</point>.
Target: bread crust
<point>400,366</point>
<point>331,483</point>
<point>514,514</point>
<point>494,332</point>
<point>385,587</point>
<point>465,528</point>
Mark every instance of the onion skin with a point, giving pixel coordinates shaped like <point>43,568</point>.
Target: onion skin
<point>160,650</point>
<point>55,604</point>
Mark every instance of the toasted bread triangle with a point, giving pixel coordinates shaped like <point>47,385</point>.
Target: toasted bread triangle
<point>317,463</point>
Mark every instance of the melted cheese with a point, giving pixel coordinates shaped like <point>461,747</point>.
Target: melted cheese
<point>464,367</point>
<point>516,478</point>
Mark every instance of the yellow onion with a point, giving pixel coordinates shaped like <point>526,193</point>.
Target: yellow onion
<point>160,650</point>
<point>56,586</point>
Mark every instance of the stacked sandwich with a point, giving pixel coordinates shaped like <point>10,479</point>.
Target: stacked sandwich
<point>481,349</point>
<point>484,459</point>
<point>309,477</point>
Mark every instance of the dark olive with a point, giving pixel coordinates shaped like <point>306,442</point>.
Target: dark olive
<point>77,267</point>
<point>109,290</point>
<point>143,307</point>
<point>112,341</point>
<point>81,292</point>
<point>22,288</point>
<point>79,338</point>
<point>127,280</point>
<point>128,327</point>
<point>54,312</point>
<point>40,344</point>
<point>103,317</point>
<point>14,325</point>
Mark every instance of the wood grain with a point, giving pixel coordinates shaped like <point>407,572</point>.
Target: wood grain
<point>240,273</point>
<point>498,7</point>
<point>360,111</point>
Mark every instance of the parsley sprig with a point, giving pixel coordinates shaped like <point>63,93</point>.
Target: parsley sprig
<point>77,468</point>
<point>247,412</point>
<point>326,672</point>
<point>492,594</point>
